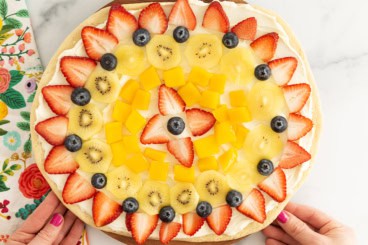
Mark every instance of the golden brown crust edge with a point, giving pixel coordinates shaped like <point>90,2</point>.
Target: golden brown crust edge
<point>70,42</point>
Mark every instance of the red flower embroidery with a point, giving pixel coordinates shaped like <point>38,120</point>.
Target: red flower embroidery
<point>3,207</point>
<point>32,184</point>
<point>4,80</point>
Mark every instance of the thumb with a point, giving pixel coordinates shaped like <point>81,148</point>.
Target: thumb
<point>296,228</point>
<point>50,232</point>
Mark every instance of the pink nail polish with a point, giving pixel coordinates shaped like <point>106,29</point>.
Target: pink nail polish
<point>282,217</point>
<point>56,220</point>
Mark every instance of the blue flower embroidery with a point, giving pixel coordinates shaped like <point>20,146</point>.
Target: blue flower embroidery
<point>12,140</point>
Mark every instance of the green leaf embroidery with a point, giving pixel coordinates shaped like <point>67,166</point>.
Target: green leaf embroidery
<point>2,122</point>
<point>5,164</point>
<point>3,187</point>
<point>4,37</point>
<point>16,77</point>
<point>9,172</point>
<point>3,177</point>
<point>22,13</point>
<point>23,126</point>
<point>16,24</point>
<point>13,99</point>
<point>28,146</point>
<point>31,97</point>
<point>25,115</point>
<point>3,8</point>
<point>6,28</point>
<point>3,132</point>
<point>15,167</point>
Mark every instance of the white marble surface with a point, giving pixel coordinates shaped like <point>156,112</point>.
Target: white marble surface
<point>334,35</point>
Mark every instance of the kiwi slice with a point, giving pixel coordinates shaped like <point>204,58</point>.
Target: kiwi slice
<point>163,52</point>
<point>153,196</point>
<point>123,183</point>
<point>183,197</point>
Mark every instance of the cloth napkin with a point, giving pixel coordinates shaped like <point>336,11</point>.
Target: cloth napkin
<point>22,186</point>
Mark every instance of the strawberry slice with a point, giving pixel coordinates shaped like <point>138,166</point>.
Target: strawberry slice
<point>275,185</point>
<point>169,101</point>
<point>98,42</point>
<point>192,222</point>
<point>128,221</point>
<point>76,70</point>
<point>153,18</point>
<point>60,161</point>
<point>253,206</point>
<point>293,155</point>
<point>120,22</point>
<point>142,226</point>
<point>219,219</point>
<point>154,132</point>
<point>58,98</point>
<point>182,15</point>
<point>265,46</point>
<point>77,189</point>
<point>182,150</point>
<point>104,209</point>
<point>169,231</point>
<point>53,130</point>
<point>215,18</point>
<point>246,29</point>
<point>296,96</point>
<point>283,69</point>
<point>298,126</point>
<point>200,121</point>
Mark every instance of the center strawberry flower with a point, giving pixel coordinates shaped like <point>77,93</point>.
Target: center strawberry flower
<point>175,125</point>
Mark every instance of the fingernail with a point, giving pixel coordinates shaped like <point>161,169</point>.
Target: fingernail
<point>56,220</point>
<point>282,217</point>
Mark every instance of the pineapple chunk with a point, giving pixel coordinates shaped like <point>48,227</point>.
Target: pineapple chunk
<point>131,143</point>
<point>224,133</point>
<point>150,79</point>
<point>128,91</point>
<point>135,122</point>
<point>199,76</point>
<point>217,83</point>
<point>206,147</point>
<point>141,100</point>
<point>174,77</point>
<point>208,163</point>
<point>190,94</point>
<point>241,134</point>
<point>155,155</point>
<point>221,114</point>
<point>159,171</point>
<point>239,115</point>
<point>113,132</point>
<point>228,159</point>
<point>209,99</point>
<point>238,98</point>
<point>137,163</point>
<point>121,111</point>
<point>119,154</point>
<point>184,174</point>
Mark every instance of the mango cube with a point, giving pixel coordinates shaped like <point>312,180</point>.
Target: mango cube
<point>131,143</point>
<point>209,99</point>
<point>228,159</point>
<point>174,77</point>
<point>113,132</point>
<point>137,163</point>
<point>158,171</point>
<point>199,76</point>
<point>190,94</point>
<point>206,146</point>
<point>239,115</point>
<point>141,100</point>
<point>238,98</point>
<point>221,114</point>
<point>217,83</point>
<point>224,133</point>
<point>208,163</point>
<point>128,91</point>
<point>121,111</point>
<point>118,153</point>
<point>154,154</point>
<point>241,134</point>
<point>150,79</point>
<point>135,122</point>
<point>184,174</point>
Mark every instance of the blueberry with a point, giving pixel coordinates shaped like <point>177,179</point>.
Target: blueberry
<point>234,198</point>
<point>81,96</point>
<point>279,124</point>
<point>175,125</point>
<point>265,167</point>
<point>130,205</point>
<point>181,34</point>
<point>230,40</point>
<point>204,209</point>
<point>73,143</point>
<point>99,180</point>
<point>167,214</point>
<point>108,62</point>
<point>141,37</point>
<point>262,72</point>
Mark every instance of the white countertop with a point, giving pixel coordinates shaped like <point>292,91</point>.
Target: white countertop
<point>335,37</point>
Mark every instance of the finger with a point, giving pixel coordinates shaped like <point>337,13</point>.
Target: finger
<point>49,233</point>
<point>69,219</point>
<point>60,209</point>
<point>278,234</point>
<point>18,238</point>
<point>75,233</point>
<point>271,241</point>
<point>314,217</point>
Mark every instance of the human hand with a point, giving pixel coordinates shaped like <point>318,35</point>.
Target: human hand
<point>50,223</point>
<point>299,224</point>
